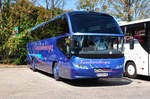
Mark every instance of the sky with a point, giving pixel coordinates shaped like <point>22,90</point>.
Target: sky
<point>69,5</point>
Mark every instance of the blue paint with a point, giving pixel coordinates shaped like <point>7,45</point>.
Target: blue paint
<point>45,52</point>
<point>94,63</point>
<point>69,22</point>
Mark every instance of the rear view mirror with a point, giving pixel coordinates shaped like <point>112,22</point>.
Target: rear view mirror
<point>131,43</point>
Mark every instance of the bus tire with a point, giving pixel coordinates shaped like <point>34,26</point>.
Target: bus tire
<point>56,72</point>
<point>33,66</point>
<point>130,70</point>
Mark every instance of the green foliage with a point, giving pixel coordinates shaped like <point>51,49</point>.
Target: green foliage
<point>123,10</point>
<point>128,10</point>
<point>88,5</point>
<point>93,5</point>
<point>15,47</point>
<point>24,15</point>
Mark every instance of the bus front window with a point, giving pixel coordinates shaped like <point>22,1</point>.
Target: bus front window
<point>94,23</point>
<point>97,45</point>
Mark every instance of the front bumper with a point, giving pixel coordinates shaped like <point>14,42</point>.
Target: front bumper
<point>90,73</point>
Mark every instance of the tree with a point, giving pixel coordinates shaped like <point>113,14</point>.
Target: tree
<point>0,4</point>
<point>47,4</point>
<point>93,5</point>
<point>51,6</point>
<point>88,5</point>
<point>25,15</point>
<point>0,10</point>
<point>128,10</point>
<point>104,5</point>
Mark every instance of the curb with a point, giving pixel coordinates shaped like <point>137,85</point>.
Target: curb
<point>13,66</point>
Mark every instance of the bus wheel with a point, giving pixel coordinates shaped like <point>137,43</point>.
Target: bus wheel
<point>131,71</point>
<point>56,72</point>
<point>33,66</point>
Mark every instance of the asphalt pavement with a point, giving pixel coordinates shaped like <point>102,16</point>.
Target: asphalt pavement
<point>23,83</point>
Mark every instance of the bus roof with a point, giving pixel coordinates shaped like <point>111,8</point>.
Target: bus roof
<point>123,23</point>
<point>82,12</point>
<point>72,12</point>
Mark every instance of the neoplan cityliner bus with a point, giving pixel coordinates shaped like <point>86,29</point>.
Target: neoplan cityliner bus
<point>78,45</point>
<point>137,47</point>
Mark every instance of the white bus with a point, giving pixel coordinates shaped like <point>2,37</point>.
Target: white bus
<point>137,47</point>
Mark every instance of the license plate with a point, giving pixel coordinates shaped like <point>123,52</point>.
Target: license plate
<point>102,75</point>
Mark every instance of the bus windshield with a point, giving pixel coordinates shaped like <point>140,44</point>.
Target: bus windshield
<point>97,45</point>
<point>94,23</point>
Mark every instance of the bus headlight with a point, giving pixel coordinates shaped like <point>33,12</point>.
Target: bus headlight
<point>80,66</point>
<point>119,66</point>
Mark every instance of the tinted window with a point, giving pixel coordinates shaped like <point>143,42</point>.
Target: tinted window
<point>53,28</point>
<point>94,23</point>
<point>37,34</point>
<point>139,32</point>
<point>63,45</point>
<point>57,27</point>
<point>97,45</point>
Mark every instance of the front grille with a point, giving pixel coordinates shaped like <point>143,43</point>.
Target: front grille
<point>100,56</point>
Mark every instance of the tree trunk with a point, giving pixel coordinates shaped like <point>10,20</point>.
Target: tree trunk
<point>52,8</point>
<point>46,4</point>
<point>0,4</point>
<point>0,10</point>
<point>8,4</point>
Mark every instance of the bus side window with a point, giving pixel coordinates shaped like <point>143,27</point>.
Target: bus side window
<point>61,26</point>
<point>53,28</point>
<point>36,34</point>
<point>65,25</point>
<point>49,30</point>
<point>62,45</point>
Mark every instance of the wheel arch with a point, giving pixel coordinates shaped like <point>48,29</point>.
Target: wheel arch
<point>128,62</point>
<point>56,74</point>
<point>53,64</point>
<point>125,65</point>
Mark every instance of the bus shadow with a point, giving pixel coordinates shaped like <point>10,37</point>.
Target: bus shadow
<point>145,78</point>
<point>98,82</point>
<point>45,73</point>
<point>93,82</point>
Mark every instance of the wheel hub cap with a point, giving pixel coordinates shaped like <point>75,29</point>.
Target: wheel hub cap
<point>131,70</point>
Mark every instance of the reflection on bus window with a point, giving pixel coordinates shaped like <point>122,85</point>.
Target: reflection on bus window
<point>92,44</point>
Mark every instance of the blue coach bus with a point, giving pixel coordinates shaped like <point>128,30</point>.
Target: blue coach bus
<point>77,45</point>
